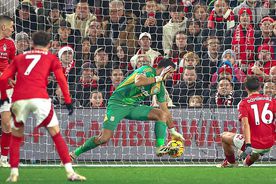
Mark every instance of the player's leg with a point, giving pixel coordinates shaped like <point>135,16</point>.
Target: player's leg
<point>46,117</point>
<point>114,114</point>
<point>6,130</point>
<point>92,143</point>
<point>63,153</point>
<point>251,159</point>
<point>229,140</point>
<point>16,140</point>
<point>6,136</point>
<point>160,117</point>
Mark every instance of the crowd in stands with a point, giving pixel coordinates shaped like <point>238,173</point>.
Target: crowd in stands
<point>214,44</point>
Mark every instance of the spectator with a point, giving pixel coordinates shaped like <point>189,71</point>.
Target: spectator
<point>188,86</point>
<point>121,59</point>
<point>120,26</point>
<point>66,35</point>
<point>88,81</point>
<point>95,100</point>
<point>264,63</point>
<point>22,42</point>
<point>258,11</point>
<point>81,18</point>
<point>221,17</point>
<point>196,101</point>
<point>177,23</point>
<point>83,54</point>
<point>194,34</point>
<point>55,46</point>
<point>201,14</point>
<point>225,96</point>
<point>103,66</point>
<point>210,60</point>
<point>96,35</point>
<point>243,38</point>
<point>273,38</point>
<point>151,22</point>
<point>179,47</point>
<point>116,77</point>
<point>50,23</point>
<point>66,55</point>
<point>25,18</point>
<point>264,36</point>
<point>145,48</point>
<point>58,100</point>
<point>272,74</point>
<point>190,59</point>
<point>229,59</point>
<point>270,89</point>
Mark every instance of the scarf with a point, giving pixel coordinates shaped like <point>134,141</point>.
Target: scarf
<point>68,68</point>
<point>242,44</point>
<point>224,100</point>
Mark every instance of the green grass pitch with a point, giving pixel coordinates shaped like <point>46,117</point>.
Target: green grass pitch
<point>148,175</point>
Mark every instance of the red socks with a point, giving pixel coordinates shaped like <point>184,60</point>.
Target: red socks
<point>5,143</point>
<point>248,161</point>
<point>230,158</point>
<point>62,148</point>
<point>15,151</point>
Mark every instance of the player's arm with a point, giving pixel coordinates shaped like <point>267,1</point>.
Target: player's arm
<point>63,85</point>
<point>8,73</point>
<point>144,80</point>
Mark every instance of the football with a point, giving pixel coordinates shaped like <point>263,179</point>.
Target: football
<point>179,144</point>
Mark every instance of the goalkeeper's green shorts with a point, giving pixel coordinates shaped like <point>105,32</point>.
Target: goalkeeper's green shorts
<point>116,112</point>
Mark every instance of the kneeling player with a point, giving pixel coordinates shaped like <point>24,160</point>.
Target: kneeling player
<point>30,96</point>
<point>256,113</point>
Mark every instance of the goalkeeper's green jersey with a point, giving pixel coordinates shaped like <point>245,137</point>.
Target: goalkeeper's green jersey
<point>128,93</point>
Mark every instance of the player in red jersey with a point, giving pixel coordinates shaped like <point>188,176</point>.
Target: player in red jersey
<point>257,114</point>
<point>30,95</point>
<point>7,53</point>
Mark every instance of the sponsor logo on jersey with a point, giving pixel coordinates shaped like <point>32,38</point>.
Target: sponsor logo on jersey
<point>4,47</point>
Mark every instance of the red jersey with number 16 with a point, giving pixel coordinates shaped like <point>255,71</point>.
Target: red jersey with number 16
<point>33,68</point>
<point>260,111</point>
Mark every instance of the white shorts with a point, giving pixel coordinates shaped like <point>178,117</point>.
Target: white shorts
<point>41,108</point>
<point>239,142</point>
<point>7,106</point>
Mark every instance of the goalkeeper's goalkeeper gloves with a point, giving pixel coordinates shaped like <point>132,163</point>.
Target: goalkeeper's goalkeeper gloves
<point>175,134</point>
<point>164,74</point>
<point>2,101</point>
<point>247,151</point>
<point>70,108</point>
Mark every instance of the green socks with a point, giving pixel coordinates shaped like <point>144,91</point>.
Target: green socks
<point>88,145</point>
<point>160,133</point>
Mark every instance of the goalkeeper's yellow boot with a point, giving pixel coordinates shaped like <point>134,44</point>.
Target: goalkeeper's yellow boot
<point>164,150</point>
<point>72,176</point>
<point>13,178</point>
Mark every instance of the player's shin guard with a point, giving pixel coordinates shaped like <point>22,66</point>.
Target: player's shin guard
<point>15,151</point>
<point>62,148</point>
<point>5,144</point>
<point>160,133</point>
<point>88,145</point>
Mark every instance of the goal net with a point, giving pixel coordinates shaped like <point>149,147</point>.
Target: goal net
<point>107,40</point>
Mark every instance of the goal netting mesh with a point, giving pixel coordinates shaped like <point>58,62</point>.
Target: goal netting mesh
<point>101,42</point>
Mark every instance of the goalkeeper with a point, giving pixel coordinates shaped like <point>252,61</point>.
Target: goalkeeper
<point>124,103</point>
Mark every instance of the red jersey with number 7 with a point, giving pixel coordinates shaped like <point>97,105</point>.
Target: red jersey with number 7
<point>260,111</point>
<point>32,69</point>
